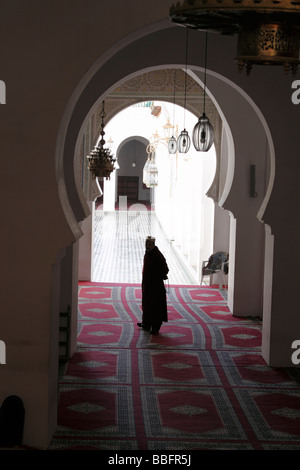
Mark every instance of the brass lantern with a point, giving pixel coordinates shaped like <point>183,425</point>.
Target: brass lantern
<point>100,161</point>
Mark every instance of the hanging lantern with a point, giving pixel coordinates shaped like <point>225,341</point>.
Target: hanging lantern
<point>172,145</point>
<point>183,142</point>
<point>152,175</point>
<point>100,161</point>
<point>145,171</point>
<point>203,134</point>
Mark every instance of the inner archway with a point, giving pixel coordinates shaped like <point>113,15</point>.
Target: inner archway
<point>177,210</point>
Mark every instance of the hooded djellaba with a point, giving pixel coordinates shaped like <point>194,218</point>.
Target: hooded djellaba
<point>154,299</point>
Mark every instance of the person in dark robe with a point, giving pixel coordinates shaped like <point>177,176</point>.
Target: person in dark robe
<point>154,298</point>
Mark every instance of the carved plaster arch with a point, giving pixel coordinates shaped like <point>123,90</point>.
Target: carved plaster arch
<point>90,90</point>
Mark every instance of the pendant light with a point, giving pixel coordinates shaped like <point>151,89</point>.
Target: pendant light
<point>100,161</point>
<point>172,144</point>
<point>184,141</point>
<point>146,171</point>
<point>152,174</point>
<point>150,171</point>
<point>203,133</point>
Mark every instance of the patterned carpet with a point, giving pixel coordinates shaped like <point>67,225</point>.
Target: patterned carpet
<point>201,384</point>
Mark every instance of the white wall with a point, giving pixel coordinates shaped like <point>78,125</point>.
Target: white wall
<point>184,211</point>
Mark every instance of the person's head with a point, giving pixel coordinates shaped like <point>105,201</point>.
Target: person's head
<point>150,243</point>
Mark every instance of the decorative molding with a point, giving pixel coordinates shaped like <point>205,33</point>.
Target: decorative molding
<point>157,85</point>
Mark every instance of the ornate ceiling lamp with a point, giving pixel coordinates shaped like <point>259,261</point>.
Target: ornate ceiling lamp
<point>172,145</point>
<point>152,177</point>
<point>268,30</point>
<point>100,162</point>
<point>146,171</point>
<point>150,172</point>
<point>203,133</point>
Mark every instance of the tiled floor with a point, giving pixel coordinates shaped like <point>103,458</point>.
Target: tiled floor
<point>119,247</point>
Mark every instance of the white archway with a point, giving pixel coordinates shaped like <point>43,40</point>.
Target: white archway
<point>238,146</point>
<point>182,207</point>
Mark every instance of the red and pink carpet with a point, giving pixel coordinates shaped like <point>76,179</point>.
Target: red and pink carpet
<point>201,384</point>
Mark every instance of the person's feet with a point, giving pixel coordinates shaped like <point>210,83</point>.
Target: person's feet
<point>146,328</point>
<point>154,331</point>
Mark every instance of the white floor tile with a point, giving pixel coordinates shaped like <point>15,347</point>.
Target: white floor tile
<point>119,247</point>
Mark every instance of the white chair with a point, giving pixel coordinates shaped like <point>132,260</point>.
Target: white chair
<point>219,271</point>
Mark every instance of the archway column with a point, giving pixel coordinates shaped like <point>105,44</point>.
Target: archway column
<point>281,319</point>
<point>69,291</point>
<point>246,262</point>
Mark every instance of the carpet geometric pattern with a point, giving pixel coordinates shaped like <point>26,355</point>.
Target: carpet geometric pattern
<point>200,384</point>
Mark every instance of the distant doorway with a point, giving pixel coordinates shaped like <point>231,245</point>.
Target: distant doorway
<point>128,186</point>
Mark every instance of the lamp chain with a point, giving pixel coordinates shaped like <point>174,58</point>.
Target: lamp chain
<point>185,78</point>
<point>205,59</point>
<point>174,98</point>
